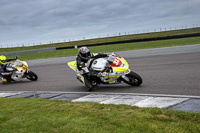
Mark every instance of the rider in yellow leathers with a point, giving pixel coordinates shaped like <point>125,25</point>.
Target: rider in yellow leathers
<point>3,61</point>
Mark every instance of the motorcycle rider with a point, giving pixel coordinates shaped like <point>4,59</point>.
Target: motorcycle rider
<point>83,73</point>
<point>3,66</point>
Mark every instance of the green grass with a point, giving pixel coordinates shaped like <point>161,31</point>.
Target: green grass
<point>21,115</point>
<point>106,39</point>
<point>111,48</point>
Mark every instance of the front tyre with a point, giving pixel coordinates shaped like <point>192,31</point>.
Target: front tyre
<point>32,76</point>
<point>132,79</point>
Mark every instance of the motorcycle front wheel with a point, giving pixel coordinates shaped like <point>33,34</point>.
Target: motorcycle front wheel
<point>32,76</point>
<point>132,79</point>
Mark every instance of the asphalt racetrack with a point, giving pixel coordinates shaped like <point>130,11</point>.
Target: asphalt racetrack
<point>171,71</point>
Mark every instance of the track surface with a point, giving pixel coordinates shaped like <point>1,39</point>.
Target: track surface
<point>175,74</point>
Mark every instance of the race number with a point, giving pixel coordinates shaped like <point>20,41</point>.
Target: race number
<point>116,62</point>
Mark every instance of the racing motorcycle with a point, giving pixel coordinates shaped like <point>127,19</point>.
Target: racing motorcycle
<point>110,70</point>
<point>18,71</point>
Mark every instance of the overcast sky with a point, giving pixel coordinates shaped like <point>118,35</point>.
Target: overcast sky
<point>41,21</point>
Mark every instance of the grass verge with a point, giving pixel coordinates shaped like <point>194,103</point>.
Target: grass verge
<point>111,48</point>
<point>42,115</point>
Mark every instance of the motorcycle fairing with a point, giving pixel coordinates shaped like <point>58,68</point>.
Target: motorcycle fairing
<point>116,62</point>
<point>99,64</point>
<point>72,65</point>
<point>122,67</point>
<point>21,66</point>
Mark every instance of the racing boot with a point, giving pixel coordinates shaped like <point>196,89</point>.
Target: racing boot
<point>4,81</point>
<point>79,78</point>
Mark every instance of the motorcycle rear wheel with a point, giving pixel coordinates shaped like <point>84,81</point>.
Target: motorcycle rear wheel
<point>32,76</point>
<point>132,79</point>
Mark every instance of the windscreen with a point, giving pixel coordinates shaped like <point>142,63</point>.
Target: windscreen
<point>18,63</point>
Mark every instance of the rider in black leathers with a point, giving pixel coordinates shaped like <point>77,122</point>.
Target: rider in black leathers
<point>82,58</point>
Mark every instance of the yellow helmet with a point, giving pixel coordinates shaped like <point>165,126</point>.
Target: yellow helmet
<point>2,60</point>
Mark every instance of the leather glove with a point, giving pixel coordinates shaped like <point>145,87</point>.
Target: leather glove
<point>114,54</point>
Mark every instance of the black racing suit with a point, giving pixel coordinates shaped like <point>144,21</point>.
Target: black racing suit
<point>3,67</point>
<point>81,66</point>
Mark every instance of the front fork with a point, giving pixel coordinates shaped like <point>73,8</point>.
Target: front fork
<point>124,76</point>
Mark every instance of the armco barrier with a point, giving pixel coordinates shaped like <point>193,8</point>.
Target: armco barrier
<point>135,40</point>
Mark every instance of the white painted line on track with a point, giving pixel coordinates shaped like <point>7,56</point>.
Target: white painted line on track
<point>125,99</point>
<point>94,98</point>
<point>160,102</point>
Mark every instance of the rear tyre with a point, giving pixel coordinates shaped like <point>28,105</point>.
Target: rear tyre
<point>32,76</point>
<point>132,79</point>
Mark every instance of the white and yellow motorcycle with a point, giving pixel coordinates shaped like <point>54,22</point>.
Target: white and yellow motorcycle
<point>18,71</point>
<point>112,69</point>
